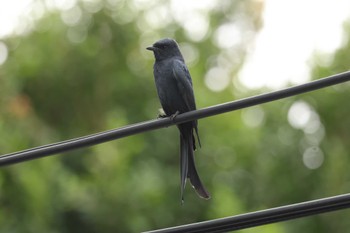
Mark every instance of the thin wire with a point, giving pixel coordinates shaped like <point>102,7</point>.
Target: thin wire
<point>129,130</point>
<point>263,217</point>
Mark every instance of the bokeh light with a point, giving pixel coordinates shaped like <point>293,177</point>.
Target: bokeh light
<point>192,15</point>
<point>227,36</point>
<point>3,52</point>
<point>299,114</point>
<point>190,53</point>
<point>253,117</point>
<point>72,16</point>
<point>313,157</point>
<point>217,79</point>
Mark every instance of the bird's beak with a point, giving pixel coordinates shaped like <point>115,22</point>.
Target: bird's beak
<point>151,48</point>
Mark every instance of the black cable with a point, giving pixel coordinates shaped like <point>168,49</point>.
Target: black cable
<point>109,135</point>
<point>263,217</point>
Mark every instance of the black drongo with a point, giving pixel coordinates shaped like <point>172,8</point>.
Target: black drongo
<point>174,87</point>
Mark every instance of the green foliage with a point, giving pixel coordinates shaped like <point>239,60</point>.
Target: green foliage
<point>65,80</point>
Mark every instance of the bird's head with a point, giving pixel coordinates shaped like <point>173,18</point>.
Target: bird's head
<point>165,48</point>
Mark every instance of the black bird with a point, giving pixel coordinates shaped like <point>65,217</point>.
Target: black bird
<point>174,87</point>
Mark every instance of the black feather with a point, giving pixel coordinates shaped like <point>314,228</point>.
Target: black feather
<point>175,91</point>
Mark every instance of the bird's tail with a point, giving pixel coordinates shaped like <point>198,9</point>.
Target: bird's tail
<point>187,164</point>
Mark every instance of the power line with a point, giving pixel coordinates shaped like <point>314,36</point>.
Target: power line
<point>263,217</point>
<point>109,135</point>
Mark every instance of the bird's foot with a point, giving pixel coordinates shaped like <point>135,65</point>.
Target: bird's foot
<point>172,117</point>
<point>161,115</point>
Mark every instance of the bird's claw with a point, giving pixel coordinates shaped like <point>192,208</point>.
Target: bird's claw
<point>172,117</point>
<point>161,115</point>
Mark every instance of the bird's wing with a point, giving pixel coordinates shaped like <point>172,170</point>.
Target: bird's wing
<point>184,84</point>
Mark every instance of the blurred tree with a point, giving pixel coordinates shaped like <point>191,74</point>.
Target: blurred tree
<point>84,68</point>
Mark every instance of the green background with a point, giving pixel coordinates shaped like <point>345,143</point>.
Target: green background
<point>71,77</point>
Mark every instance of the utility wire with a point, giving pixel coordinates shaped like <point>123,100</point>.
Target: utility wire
<point>109,135</point>
<point>263,217</point>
